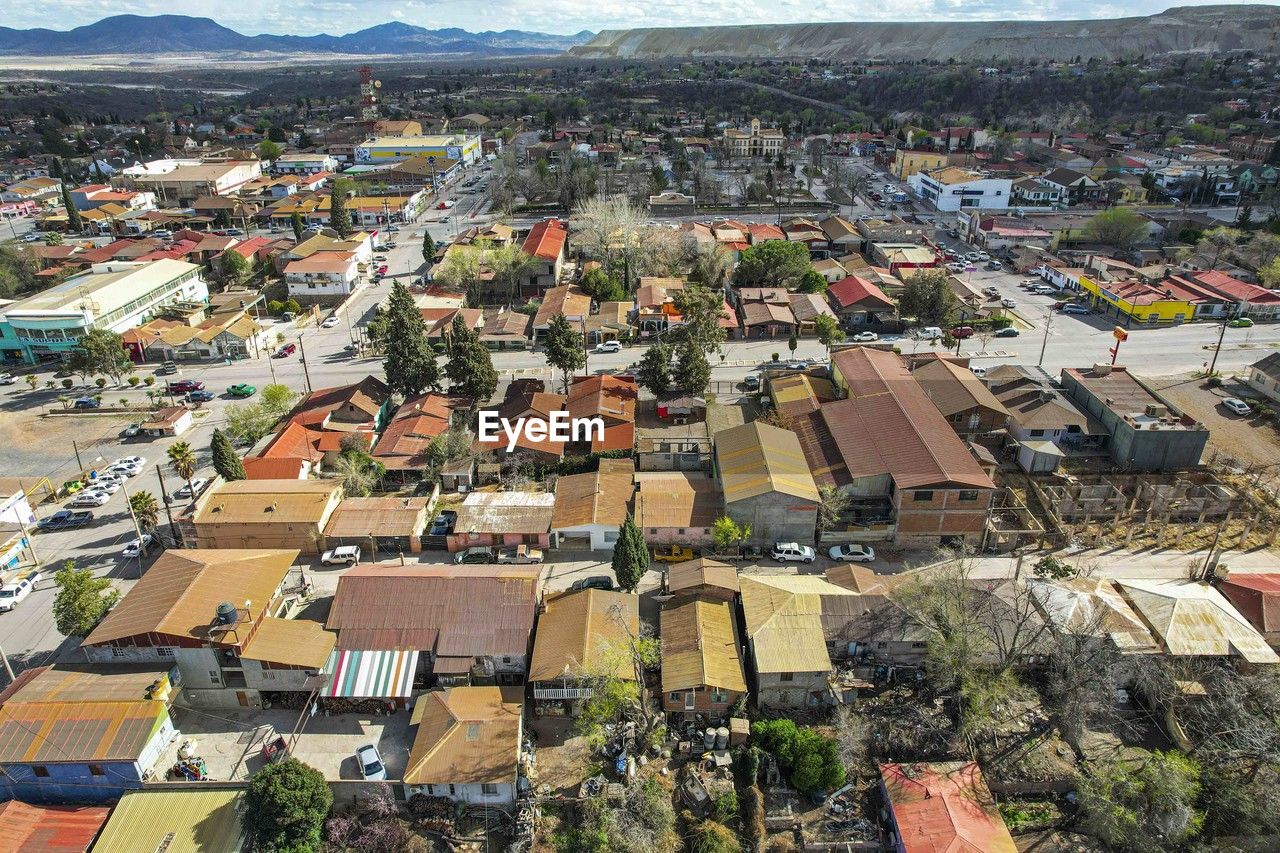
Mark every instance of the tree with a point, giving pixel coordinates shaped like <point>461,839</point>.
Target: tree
<point>410,364</point>
<point>828,330</point>
<point>81,600</point>
<point>18,269</point>
<point>776,263</point>
<point>711,267</point>
<point>927,298</point>
<point>285,806</point>
<point>1051,567</point>
<point>269,150</point>
<point>234,268</point>
<point>602,287</point>
<point>615,676</point>
<point>249,422</point>
<point>226,461</point>
<point>832,504</point>
<point>1148,807</point>
<point>509,264</point>
<point>470,366</point>
<point>792,341</point>
<point>654,372</point>
<point>100,351</point>
<point>701,311</point>
<point>813,282</point>
<point>630,555</point>
<point>74,224</point>
<point>296,223</point>
<point>145,509</point>
<point>1216,242</point>
<point>692,371</point>
<point>811,759</point>
<point>1120,227</point>
<point>728,534</point>
<point>339,216</point>
<point>53,238</point>
<point>1270,274</point>
<point>1078,684</point>
<point>564,348</point>
<point>358,471</point>
<point>183,460</point>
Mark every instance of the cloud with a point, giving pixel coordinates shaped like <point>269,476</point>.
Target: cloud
<point>308,17</point>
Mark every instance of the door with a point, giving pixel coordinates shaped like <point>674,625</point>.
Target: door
<point>688,700</point>
<point>242,698</point>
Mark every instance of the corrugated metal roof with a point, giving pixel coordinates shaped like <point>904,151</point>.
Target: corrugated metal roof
<point>505,512</point>
<point>757,458</point>
<point>677,499</point>
<point>784,618</point>
<point>944,807</point>
<point>953,388</point>
<point>700,646</point>
<point>702,572</point>
<point>451,610</point>
<point>181,591</point>
<point>49,829</point>
<point>53,732</point>
<point>583,630</point>
<point>198,820</point>
<point>293,642</point>
<point>389,516</point>
<point>1078,604</point>
<point>268,502</point>
<point>1195,619</point>
<point>596,497</point>
<point>370,674</point>
<point>466,735</point>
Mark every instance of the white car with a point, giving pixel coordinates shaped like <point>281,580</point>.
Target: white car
<point>102,484</point>
<point>980,372</point>
<point>1237,406</point>
<point>192,489</point>
<point>1043,290</point>
<point>132,461</point>
<point>89,499</point>
<point>12,593</point>
<point>110,478</point>
<point>345,555</point>
<point>8,379</point>
<point>955,266</point>
<point>329,323</point>
<point>370,762</point>
<point>792,552</point>
<point>853,553</point>
<point>1008,303</point>
<point>608,346</point>
<point>138,546</point>
<point>125,470</point>
<point>865,337</point>
<point>131,431</point>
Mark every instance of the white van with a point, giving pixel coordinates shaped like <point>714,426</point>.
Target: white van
<point>928,333</point>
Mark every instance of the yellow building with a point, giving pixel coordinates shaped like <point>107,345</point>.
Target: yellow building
<point>390,149</point>
<point>1136,302</point>
<point>908,163</point>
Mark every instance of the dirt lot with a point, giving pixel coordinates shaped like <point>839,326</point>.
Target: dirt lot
<point>1246,439</point>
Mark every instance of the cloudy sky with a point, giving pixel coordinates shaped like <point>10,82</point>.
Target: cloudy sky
<point>307,17</point>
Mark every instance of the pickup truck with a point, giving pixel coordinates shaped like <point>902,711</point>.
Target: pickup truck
<point>64,519</point>
<point>520,555</point>
<point>673,554</point>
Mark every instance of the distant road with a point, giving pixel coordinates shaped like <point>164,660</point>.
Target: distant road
<point>773,90</point>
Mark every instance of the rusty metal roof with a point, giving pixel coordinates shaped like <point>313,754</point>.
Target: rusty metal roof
<point>702,572</point>
<point>268,502</point>
<point>292,642</point>
<point>505,512</point>
<point>389,516</point>
<point>466,735</point>
<point>677,499</point>
<point>596,497</point>
<point>700,646</point>
<point>455,611</point>
<point>758,458</point>
<point>583,630</point>
<point>49,829</point>
<point>1195,619</point>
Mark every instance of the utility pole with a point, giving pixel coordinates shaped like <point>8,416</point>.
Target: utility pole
<point>137,528</point>
<point>306,373</point>
<point>8,670</point>
<point>1222,333</point>
<point>79,464</point>
<point>1048,321</point>
<point>168,510</point>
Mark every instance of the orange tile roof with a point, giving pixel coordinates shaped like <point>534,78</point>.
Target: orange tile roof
<point>49,829</point>
<point>546,240</point>
<point>944,808</point>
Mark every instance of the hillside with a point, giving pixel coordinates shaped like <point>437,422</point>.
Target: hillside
<point>1187,29</point>
<point>182,34</point>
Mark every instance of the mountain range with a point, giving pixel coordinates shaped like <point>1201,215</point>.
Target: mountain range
<point>1191,29</point>
<point>168,34</point>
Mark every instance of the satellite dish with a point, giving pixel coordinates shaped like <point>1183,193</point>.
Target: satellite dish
<point>377,84</point>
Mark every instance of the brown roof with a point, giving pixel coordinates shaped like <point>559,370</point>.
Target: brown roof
<point>292,642</point>
<point>807,307</point>
<point>584,630</point>
<point>1031,402</point>
<point>596,497</point>
<point>954,389</point>
<point>889,426</point>
<point>505,512</point>
<point>700,646</point>
<point>455,611</point>
<point>702,572</point>
<point>564,299</point>
<point>764,313</point>
<point>416,423</point>
<point>356,403</point>
<point>677,499</point>
<point>388,516</point>
<point>466,735</point>
<point>180,592</point>
<point>505,325</point>
<point>268,502</point>
<point>49,829</point>
<point>758,459</point>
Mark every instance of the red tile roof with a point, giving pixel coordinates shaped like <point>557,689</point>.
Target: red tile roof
<point>613,400</point>
<point>944,808</point>
<point>855,290</point>
<point>546,240</point>
<point>49,829</point>
<point>1235,288</point>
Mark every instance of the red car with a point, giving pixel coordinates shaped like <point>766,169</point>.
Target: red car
<point>286,350</point>
<point>382,270</point>
<point>962,332</point>
<point>184,386</point>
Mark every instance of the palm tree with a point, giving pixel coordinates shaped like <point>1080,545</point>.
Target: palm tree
<point>145,509</point>
<point>183,460</point>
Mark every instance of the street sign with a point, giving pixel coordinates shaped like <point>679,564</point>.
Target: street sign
<point>1119,333</point>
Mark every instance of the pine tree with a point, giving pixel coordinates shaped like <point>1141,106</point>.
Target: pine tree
<point>693,372</point>
<point>74,223</point>
<point>55,168</point>
<point>298,228</point>
<point>225,459</point>
<point>411,363</point>
<point>630,555</point>
<point>470,367</point>
<point>339,216</point>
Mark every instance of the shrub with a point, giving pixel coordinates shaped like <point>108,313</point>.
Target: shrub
<point>101,382</point>
<point>148,381</point>
<point>1213,382</point>
<point>134,381</point>
<point>810,758</point>
<point>292,306</point>
<point>67,383</point>
<point>275,307</point>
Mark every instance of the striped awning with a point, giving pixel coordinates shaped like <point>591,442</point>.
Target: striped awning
<point>369,675</point>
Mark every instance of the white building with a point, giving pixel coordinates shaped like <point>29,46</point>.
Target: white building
<point>322,274</point>
<point>951,189</point>
<point>389,149</point>
<point>304,164</point>
<point>116,296</point>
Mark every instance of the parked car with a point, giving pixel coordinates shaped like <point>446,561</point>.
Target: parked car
<point>86,403</point>
<point>672,553</point>
<point>330,322</point>
<point>991,290</point>
<point>192,489</point>
<point>183,386</point>
<point>242,389</point>
<point>200,397</point>
<point>1241,323</point>
<point>792,552</point>
<point>137,547</point>
<point>370,762</point>
<point>1072,308</point>
<point>8,379</point>
<point>992,266</point>
<point>955,266</point>
<point>594,582</point>
<point>609,346</point>
<point>102,484</point>
<point>89,500</point>
<point>520,555</point>
<point>1044,289</point>
<point>125,470</point>
<point>131,431</point>
<point>928,333</point>
<point>474,554</point>
<point>64,519</point>
<point>166,368</point>
<point>865,337</point>
<point>346,555</point>
<point>751,383</point>
<point>980,372</point>
<point>962,332</point>
<point>1007,332</point>
<point>286,351</point>
<point>1237,406</point>
<point>442,524</point>
<point>11,594</point>
<point>852,553</point>
<point>1008,303</point>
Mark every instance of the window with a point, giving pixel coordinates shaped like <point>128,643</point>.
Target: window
<point>452,790</point>
<point>488,788</point>
<point>164,651</point>
<point>653,530</point>
<point>786,676</point>
<point>40,771</point>
<point>719,697</point>
<point>675,696</point>
<point>923,497</point>
<point>974,420</point>
<point>680,532</point>
<point>968,494</point>
<point>431,790</point>
<point>1037,433</point>
<point>96,770</point>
